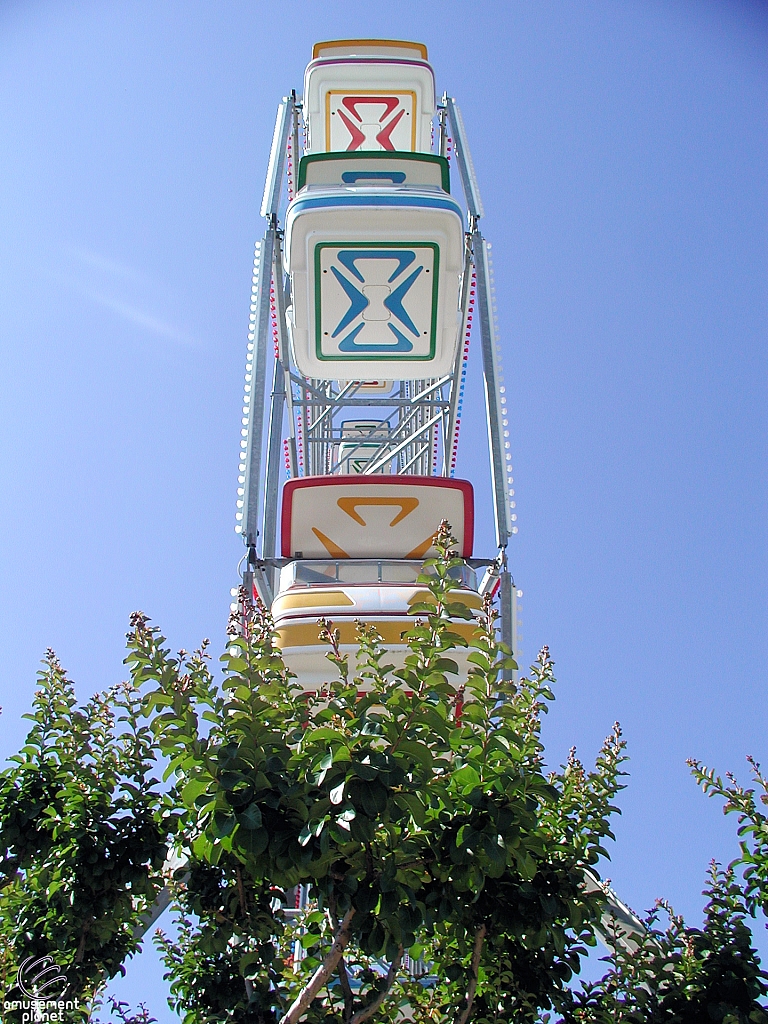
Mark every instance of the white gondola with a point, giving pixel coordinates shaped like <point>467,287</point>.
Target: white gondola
<point>376,592</point>
<point>357,545</point>
<point>424,170</point>
<point>361,446</point>
<point>375,273</point>
<point>357,456</point>
<point>369,94</point>
<point>373,517</point>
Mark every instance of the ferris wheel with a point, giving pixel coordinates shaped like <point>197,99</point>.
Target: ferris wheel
<point>368,281</point>
<point>367,284</point>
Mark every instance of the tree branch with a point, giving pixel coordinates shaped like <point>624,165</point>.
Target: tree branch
<point>349,999</point>
<point>81,944</point>
<point>241,891</point>
<point>463,1017</point>
<point>368,1011</point>
<point>322,974</point>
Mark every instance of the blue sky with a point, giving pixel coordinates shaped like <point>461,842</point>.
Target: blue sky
<point>621,152</point>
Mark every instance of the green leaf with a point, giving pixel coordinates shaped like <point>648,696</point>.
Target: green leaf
<point>321,767</point>
<point>466,777</point>
<point>254,841</point>
<point>236,665</point>
<point>310,830</point>
<point>223,823</point>
<point>193,789</point>
<point>414,805</point>
<point>247,961</point>
<point>250,818</point>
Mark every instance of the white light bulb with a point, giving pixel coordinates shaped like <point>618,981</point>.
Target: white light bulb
<point>238,515</point>
<point>241,479</point>
<point>240,504</point>
<point>233,592</point>
<point>241,491</point>
<point>514,529</point>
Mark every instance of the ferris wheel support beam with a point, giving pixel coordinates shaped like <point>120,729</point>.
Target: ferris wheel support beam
<point>280,399</point>
<point>272,480</point>
<point>488,339</point>
<point>464,160</point>
<point>488,344</point>
<point>259,324</point>
<point>273,186</point>
<point>451,421</point>
<point>507,607</point>
<point>259,332</point>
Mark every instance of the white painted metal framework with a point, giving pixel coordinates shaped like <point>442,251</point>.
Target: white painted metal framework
<point>299,426</point>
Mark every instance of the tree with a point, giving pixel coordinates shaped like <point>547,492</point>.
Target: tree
<point>753,827</point>
<point>683,975</point>
<point>83,836</point>
<point>441,870</point>
<point>416,811</point>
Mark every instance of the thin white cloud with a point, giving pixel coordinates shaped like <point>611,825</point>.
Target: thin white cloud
<point>160,328</point>
<point>106,281</point>
<point>105,264</point>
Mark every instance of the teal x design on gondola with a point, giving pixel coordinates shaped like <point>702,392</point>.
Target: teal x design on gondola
<point>376,299</point>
